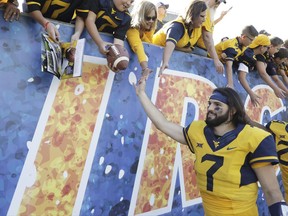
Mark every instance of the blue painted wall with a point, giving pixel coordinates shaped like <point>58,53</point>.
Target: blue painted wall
<point>24,90</point>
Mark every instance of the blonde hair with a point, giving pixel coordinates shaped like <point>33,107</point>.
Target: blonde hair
<point>140,11</point>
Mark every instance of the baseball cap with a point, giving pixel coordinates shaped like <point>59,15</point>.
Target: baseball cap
<point>161,4</point>
<point>264,32</point>
<point>260,40</point>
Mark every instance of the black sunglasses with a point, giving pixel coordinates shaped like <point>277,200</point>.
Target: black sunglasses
<point>148,18</point>
<point>251,39</point>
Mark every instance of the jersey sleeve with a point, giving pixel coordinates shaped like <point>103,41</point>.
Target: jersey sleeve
<point>243,68</point>
<point>121,30</point>
<point>261,58</point>
<point>175,32</point>
<point>271,69</point>
<point>231,53</point>
<point>247,58</point>
<point>189,142</point>
<point>83,8</point>
<point>265,152</point>
<point>94,6</point>
<point>277,127</point>
<point>34,5</point>
<point>133,37</point>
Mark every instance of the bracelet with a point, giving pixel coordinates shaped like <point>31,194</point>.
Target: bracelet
<point>46,25</point>
<point>278,209</point>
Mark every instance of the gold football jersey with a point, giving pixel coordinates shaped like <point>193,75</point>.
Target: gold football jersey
<point>228,50</point>
<point>226,180</point>
<point>186,40</point>
<point>280,132</point>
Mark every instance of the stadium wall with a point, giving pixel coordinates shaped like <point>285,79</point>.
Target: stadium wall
<point>84,146</point>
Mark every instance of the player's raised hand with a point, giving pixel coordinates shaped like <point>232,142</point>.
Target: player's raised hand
<point>146,71</point>
<point>141,85</point>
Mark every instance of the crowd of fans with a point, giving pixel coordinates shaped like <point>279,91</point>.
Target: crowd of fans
<point>191,32</point>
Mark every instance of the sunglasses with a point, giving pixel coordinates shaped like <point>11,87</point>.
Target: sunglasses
<point>251,39</point>
<point>148,18</point>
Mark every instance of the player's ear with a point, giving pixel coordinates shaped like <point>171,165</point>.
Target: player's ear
<point>232,112</point>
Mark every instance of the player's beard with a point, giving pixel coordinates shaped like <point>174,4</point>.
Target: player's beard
<point>217,120</point>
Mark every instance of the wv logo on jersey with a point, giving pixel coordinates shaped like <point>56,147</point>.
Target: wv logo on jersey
<point>199,145</point>
<point>216,143</point>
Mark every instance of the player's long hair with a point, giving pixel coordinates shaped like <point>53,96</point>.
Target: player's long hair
<point>234,102</point>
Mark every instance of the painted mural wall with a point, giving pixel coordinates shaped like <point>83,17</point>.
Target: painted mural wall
<point>84,146</point>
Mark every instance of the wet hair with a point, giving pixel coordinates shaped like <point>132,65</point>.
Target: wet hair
<point>193,11</point>
<point>250,30</point>
<point>282,53</point>
<point>276,41</point>
<point>234,102</point>
<point>140,11</point>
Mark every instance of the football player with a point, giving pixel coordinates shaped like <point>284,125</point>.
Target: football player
<point>279,129</point>
<point>231,155</point>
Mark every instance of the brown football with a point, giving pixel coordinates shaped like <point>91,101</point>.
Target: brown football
<point>118,57</point>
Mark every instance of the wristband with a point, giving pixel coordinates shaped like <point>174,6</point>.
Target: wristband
<point>46,25</point>
<point>278,209</point>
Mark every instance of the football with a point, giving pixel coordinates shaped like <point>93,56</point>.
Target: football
<point>117,57</point>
